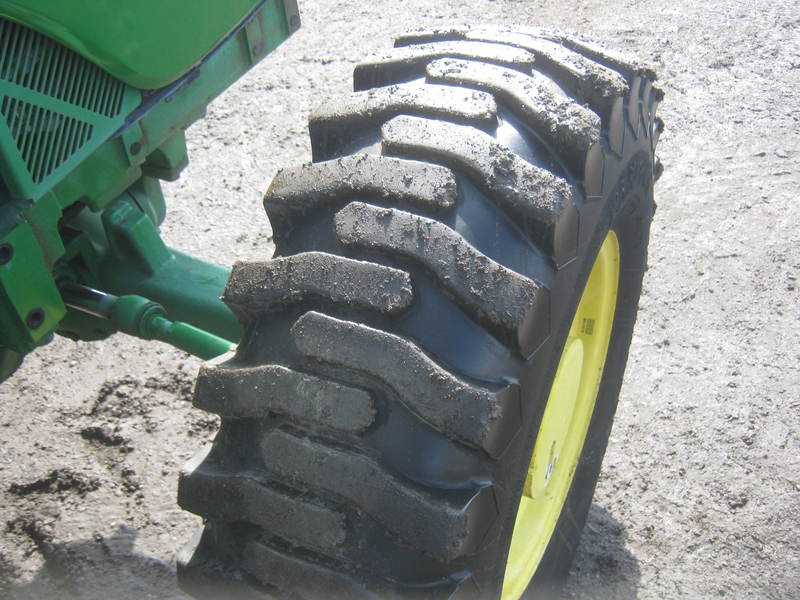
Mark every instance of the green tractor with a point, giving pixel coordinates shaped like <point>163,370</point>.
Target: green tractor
<point>417,390</point>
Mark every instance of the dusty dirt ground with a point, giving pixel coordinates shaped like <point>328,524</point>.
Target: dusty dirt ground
<point>700,493</point>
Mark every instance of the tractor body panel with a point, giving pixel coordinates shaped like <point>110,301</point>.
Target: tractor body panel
<point>147,44</point>
<point>82,150</point>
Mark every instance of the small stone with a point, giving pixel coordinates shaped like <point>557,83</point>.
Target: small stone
<point>738,501</point>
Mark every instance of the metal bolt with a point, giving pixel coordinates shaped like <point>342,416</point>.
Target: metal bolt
<point>136,147</point>
<point>35,318</point>
<point>294,21</point>
<point>551,463</point>
<point>258,49</point>
<point>6,253</point>
<point>550,468</point>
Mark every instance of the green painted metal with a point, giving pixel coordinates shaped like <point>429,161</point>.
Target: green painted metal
<point>169,159</point>
<point>93,218</point>
<point>145,43</point>
<point>137,261</point>
<point>30,304</point>
<point>144,318</point>
<point>9,362</point>
<point>56,108</point>
<point>43,216</point>
<point>126,255</point>
<point>115,166</point>
<point>190,290</point>
<point>188,338</point>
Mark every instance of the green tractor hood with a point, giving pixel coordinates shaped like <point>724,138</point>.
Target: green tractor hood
<point>145,43</point>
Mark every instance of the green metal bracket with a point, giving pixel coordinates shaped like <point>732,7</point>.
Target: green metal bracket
<point>30,312</point>
<point>138,262</point>
<point>134,238</point>
<point>43,217</point>
<point>147,196</point>
<point>126,256</point>
<point>168,160</point>
<point>133,143</point>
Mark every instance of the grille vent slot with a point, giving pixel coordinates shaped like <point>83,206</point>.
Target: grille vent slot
<point>56,105</point>
<point>37,63</point>
<point>45,139</point>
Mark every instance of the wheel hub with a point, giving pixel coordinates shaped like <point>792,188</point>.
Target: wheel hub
<point>565,422</point>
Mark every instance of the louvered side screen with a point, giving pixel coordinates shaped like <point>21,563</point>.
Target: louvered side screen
<point>56,108</point>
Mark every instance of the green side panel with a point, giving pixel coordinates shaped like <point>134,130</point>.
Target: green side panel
<point>9,362</point>
<point>113,167</point>
<point>30,305</point>
<point>145,43</point>
<point>56,108</point>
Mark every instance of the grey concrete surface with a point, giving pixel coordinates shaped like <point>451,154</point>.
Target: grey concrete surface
<point>700,492</point>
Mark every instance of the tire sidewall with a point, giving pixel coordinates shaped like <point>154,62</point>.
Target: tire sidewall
<point>627,211</point>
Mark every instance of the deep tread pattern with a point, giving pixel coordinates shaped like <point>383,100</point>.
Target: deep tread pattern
<point>541,201</point>
<point>658,170</point>
<point>404,64</point>
<point>303,577</point>
<point>647,99</point>
<point>216,494</point>
<point>258,392</point>
<point>658,129</point>
<point>445,530</point>
<point>428,36</point>
<point>571,127</point>
<point>588,81</point>
<point>503,155</point>
<point>295,193</point>
<point>205,576</point>
<point>628,66</point>
<point>486,289</point>
<point>463,411</point>
<point>616,127</point>
<point>650,101</point>
<point>625,65</point>
<point>334,121</point>
<point>263,286</point>
<point>634,111</point>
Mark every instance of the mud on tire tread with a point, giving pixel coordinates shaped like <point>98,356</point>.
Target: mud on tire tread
<point>399,348</point>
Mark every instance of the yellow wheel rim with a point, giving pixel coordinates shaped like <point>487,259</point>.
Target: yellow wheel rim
<point>565,423</point>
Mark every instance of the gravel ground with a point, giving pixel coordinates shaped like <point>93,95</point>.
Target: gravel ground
<point>700,493</point>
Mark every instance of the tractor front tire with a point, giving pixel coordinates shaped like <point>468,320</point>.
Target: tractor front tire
<point>423,396</point>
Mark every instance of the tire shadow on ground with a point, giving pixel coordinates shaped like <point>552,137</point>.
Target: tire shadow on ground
<point>109,568</point>
<point>604,569</point>
<point>102,568</point>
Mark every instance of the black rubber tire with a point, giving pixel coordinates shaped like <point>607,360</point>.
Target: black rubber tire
<point>380,413</point>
